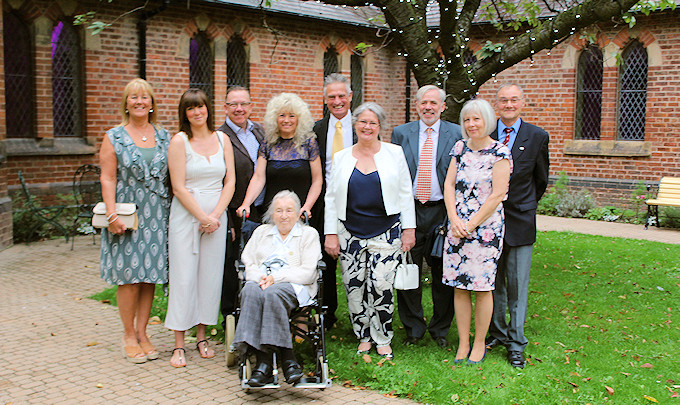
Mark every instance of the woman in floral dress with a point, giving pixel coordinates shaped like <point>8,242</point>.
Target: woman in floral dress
<point>473,191</point>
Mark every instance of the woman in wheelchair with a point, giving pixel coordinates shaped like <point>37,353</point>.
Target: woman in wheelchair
<point>280,272</point>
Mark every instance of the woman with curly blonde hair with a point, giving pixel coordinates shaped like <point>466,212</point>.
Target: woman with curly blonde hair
<point>289,158</point>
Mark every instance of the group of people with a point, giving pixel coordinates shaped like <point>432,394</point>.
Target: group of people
<point>369,203</point>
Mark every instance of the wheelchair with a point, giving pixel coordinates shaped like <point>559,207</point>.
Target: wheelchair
<point>306,325</point>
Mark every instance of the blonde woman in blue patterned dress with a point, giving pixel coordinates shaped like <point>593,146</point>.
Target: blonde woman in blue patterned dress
<point>474,188</point>
<point>133,159</point>
<point>201,162</point>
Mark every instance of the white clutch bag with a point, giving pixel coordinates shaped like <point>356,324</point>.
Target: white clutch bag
<point>127,213</point>
<point>408,275</point>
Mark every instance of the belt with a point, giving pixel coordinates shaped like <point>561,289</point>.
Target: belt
<point>430,203</point>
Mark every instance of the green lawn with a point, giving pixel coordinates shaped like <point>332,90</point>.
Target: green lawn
<point>603,317</point>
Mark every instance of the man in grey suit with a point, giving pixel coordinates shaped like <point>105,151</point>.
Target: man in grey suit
<point>528,181</point>
<point>426,144</point>
<point>246,137</point>
<point>334,132</point>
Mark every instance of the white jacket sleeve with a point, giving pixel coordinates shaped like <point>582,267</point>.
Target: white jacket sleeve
<point>406,203</point>
<point>249,256</point>
<point>330,226</point>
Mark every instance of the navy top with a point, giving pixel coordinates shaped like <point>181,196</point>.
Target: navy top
<point>366,215</point>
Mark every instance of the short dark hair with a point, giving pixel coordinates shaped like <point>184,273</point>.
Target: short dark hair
<point>193,98</point>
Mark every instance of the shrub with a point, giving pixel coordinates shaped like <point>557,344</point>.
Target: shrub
<point>575,205</point>
<point>548,204</point>
<point>669,217</point>
<point>609,214</point>
<point>23,220</point>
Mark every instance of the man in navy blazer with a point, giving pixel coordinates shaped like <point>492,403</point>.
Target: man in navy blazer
<point>246,137</point>
<point>337,94</point>
<point>528,181</point>
<point>430,212</point>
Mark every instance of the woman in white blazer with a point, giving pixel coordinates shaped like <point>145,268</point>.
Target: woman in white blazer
<point>369,223</point>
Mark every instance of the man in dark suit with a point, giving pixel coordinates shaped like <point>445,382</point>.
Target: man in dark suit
<point>427,143</point>
<point>246,137</point>
<point>334,132</point>
<point>528,181</point>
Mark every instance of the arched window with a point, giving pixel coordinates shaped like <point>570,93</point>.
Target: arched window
<point>201,64</point>
<point>19,110</point>
<point>589,93</point>
<point>238,68</point>
<point>357,80</point>
<point>330,65</point>
<point>67,94</point>
<point>632,92</point>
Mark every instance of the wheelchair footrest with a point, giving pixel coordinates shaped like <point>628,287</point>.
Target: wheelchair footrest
<point>313,383</point>
<point>264,387</point>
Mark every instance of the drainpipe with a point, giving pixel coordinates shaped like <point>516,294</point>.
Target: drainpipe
<point>141,33</point>
<point>408,93</point>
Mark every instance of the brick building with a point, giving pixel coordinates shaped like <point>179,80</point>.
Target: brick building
<point>62,85</point>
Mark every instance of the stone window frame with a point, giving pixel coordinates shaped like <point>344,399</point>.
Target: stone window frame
<point>589,78</point>
<point>70,79</point>
<point>238,46</point>
<point>625,97</point>
<point>612,147</point>
<point>203,78</point>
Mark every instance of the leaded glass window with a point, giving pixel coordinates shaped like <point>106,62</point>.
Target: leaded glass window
<point>632,93</point>
<point>330,65</point>
<point>201,64</point>
<point>66,80</point>
<point>238,68</point>
<point>589,93</point>
<point>357,80</point>
<point>19,110</point>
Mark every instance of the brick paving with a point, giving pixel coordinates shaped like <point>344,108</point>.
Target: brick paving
<point>58,347</point>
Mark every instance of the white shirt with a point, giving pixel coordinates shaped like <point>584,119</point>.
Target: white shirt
<point>346,122</point>
<point>435,190</point>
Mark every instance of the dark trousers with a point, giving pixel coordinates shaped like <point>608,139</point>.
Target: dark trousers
<point>410,306</point>
<point>330,289</point>
<point>230,279</point>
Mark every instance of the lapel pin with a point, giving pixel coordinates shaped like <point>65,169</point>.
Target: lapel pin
<point>521,148</point>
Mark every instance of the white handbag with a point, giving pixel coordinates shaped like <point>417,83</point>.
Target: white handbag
<point>127,213</point>
<point>408,275</point>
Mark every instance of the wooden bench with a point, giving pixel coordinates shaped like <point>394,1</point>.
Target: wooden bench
<point>668,195</point>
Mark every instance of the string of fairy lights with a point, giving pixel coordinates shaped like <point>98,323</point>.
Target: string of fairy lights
<point>441,68</point>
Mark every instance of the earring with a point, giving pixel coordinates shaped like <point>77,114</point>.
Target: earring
<point>151,110</point>
<point>126,111</point>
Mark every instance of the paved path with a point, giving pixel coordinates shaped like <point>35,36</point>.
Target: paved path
<point>58,347</point>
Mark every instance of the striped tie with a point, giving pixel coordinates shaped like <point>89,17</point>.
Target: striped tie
<point>424,187</point>
<point>508,131</point>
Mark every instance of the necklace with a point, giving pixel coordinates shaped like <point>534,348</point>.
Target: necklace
<point>140,131</point>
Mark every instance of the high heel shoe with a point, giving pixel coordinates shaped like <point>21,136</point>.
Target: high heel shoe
<point>132,353</point>
<point>470,362</point>
<point>149,350</point>
<point>458,361</point>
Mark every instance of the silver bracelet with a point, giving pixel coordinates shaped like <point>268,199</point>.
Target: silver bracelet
<point>114,220</point>
<point>109,217</point>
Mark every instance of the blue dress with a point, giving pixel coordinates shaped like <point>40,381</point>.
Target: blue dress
<point>470,263</point>
<point>139,256</point>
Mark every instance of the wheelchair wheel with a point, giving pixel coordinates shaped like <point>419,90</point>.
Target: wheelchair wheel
<point>229,331</point>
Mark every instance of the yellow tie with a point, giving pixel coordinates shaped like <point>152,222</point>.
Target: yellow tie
<point>337,138</point>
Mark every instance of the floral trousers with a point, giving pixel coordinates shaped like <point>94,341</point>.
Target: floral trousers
<point>368,270</point>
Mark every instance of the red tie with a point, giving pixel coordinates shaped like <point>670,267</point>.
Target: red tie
<point>507,131</point>
<point>424,187</point>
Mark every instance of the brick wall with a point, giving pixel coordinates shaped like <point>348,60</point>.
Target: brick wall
<point>289,57</point>
<point>550,87</point>
<point>5,201</point>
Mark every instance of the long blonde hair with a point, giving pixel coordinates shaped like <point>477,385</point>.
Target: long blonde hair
<point>292,103</point>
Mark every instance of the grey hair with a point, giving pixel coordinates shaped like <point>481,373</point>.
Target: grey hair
<point>267,217</point>
<point>421,92</point>
<point>336,78</point>
<point>484,109</point>
<point>375,108</point>
<point>502,86</point>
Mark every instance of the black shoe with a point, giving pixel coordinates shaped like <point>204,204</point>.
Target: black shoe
<point>516,358</point>
<point>291,371</point>
<point>442,342</point>
<point>411,340</point>
<point>492,342</point>
<point>262,375</point>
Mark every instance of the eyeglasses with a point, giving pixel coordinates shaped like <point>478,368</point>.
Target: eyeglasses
<point>513,100</point>
<point>234,105</point>
<point>363,123</point>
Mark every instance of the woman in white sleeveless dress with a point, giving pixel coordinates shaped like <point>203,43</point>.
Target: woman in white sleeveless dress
<point>201,164</point>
